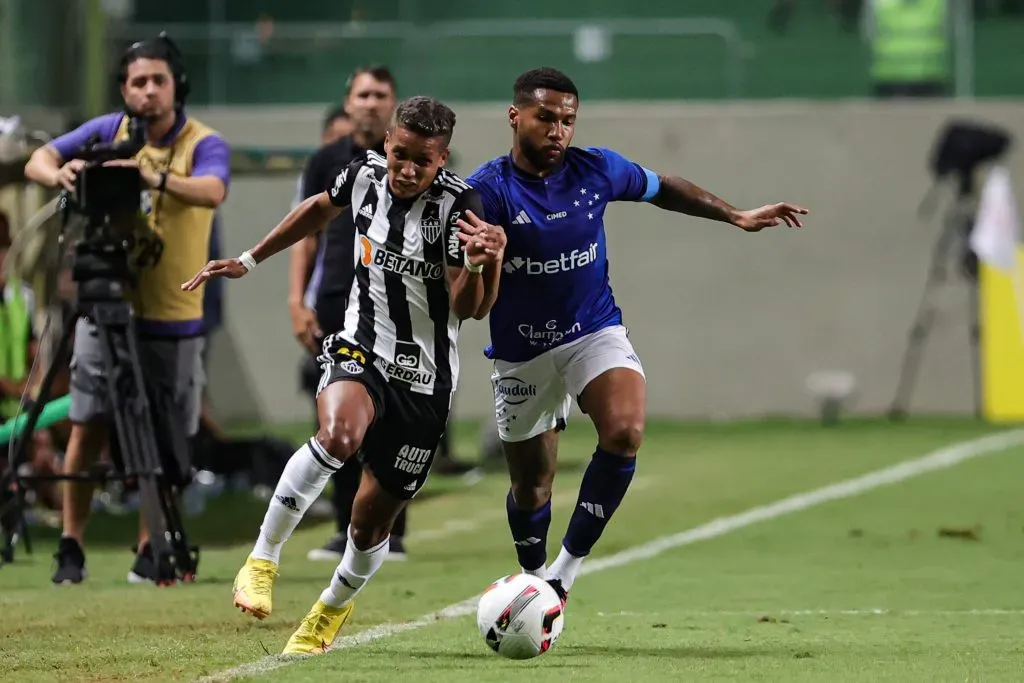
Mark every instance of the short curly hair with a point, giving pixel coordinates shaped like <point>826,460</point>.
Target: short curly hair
<point>427,117</point>
<point>544,78</point>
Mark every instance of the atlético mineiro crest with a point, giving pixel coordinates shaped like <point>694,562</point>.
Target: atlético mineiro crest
<point>430,228</point>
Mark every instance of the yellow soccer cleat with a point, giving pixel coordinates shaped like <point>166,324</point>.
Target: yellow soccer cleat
<point>318,629</point>
<point>253,587</point>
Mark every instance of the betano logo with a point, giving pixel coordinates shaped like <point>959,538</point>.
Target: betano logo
<point>396,263</point>
<point>564,263</point>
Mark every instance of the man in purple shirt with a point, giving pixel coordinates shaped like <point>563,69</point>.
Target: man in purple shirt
<point>185,171</point>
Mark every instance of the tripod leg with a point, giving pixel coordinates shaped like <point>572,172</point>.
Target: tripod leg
<point>912,355</point>
<point>186,557</point>
<point>22,441</point>
<point>922,325</point>
<point>173,555</point>
<point>134,429</point>
<point>24,526</point>
<point>12,496</point>
<point>175,463</point>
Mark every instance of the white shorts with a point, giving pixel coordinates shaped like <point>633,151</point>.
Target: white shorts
<point>536,396</point>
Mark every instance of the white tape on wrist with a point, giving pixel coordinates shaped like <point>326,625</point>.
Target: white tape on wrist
<point>247,260</point>
<point>470,267</point>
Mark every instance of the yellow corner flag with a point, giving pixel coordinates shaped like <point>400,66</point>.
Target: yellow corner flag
<point>996,241</point>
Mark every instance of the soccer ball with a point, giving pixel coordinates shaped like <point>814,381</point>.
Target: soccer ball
<point>520,616</point>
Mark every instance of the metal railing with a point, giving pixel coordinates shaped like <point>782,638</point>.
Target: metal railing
<point>309,37</point>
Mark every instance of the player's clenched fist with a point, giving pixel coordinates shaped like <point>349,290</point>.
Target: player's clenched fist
<point>483,243</point>
<point>229,267</point>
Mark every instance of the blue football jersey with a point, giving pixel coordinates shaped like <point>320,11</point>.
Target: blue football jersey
<point>554,281</point>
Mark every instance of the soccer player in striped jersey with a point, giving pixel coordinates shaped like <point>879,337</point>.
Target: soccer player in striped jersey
<point>556,331</point>
<point>425,263</point>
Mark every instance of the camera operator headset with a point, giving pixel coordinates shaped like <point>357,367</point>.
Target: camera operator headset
<point>185,170</point>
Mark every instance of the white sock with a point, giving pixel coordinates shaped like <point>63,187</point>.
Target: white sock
<point>302,482</point>
<point>540,572</point>
<point>355,569</point>
<point>565,568</point>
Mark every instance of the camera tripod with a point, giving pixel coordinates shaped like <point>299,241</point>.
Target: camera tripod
<point>100,269</point>
<point>959,151</point>
<point>956,229</point>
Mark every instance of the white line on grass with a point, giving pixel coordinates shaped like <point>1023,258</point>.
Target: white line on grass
<point>936,460</point>
<point>461,526</point>
<point>769,614</point>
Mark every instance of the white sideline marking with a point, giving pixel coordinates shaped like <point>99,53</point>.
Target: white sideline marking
<point>460,526</point>
<point>936,460</point>
<point>868,612</point>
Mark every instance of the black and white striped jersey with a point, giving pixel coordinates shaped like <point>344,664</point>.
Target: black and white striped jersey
<point>398,306</point>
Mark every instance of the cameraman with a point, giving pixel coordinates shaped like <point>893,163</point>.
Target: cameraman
<point>184,166</point>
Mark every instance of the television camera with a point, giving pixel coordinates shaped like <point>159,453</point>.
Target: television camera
<point>148,450</point>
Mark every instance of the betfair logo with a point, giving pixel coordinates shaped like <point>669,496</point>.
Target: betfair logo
<point>564,263</point>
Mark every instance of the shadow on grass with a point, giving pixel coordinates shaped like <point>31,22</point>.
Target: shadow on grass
<point>560,654</point>
<point>677,652</point>
<point>228,520</point>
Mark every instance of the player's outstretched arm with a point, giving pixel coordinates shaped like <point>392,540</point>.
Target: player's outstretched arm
<point>310,216</point>
<point>680,195</point>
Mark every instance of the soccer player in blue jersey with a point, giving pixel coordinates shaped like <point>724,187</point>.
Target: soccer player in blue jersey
<point>556,331</point>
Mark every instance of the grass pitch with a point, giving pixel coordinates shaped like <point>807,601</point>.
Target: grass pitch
<point>919,580</point>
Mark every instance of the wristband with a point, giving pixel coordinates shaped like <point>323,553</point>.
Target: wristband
<point>247,260</point>
<point>470,267</point>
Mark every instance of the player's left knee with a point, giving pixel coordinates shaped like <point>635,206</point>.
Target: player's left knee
<point>623,436</point>
<point>368,535</point>
<point>531,496</point>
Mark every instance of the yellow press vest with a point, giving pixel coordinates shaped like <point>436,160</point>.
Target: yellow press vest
<point>175,245</point>
<point>15,331</point>
<point>911,42</point>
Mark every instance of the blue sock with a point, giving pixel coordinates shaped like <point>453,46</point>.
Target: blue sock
<point>604,486</point>
<point>530,532</point>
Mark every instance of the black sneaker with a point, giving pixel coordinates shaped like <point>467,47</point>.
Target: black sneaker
<point>144,569</point>
<point>563,594</point>
<point>396,549</point>
<point>331,551</point>
<point>70,562</point>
